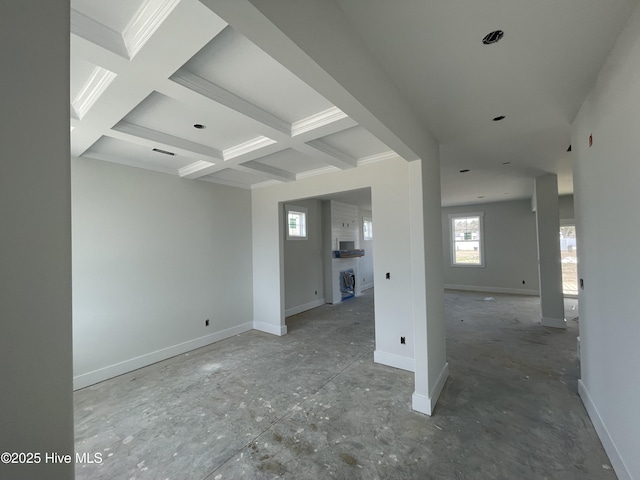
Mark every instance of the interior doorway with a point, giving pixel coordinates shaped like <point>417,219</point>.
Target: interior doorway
<point>569,260</point>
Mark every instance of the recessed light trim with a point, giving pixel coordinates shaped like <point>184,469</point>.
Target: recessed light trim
<point>163,151</point>
<point>493,37</point>
<point>464,170</point>
<point>199,126</point>
<point>498,118</point>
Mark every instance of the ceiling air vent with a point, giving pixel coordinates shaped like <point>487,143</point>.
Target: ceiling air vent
<point>493,37</point>
<point>163,151</point>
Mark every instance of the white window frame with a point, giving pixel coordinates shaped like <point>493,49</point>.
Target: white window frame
<point>296,209</point>
<point>364,236</point>
<point>452,239</point>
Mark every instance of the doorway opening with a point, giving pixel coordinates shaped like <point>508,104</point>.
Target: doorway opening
<point>569,260</point>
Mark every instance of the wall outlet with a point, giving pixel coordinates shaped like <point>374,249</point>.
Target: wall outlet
<point>523,282</point>
<point>206,322</point>
<point>403,341</point>
<point>316,292</point>
<point>388,276</point>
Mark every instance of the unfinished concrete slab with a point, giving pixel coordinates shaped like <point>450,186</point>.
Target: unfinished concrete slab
<point>312,404</point>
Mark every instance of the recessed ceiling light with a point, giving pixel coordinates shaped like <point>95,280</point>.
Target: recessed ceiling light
<point>199,126</point>
<point>493,37</point>
<point>464,171</point>
<point>163,151</point>
<point>497,119</point>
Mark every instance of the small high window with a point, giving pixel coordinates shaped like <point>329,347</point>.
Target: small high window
<point>467,240</point>
<point>296,218</point>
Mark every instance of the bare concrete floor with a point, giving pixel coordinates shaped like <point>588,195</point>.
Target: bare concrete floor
<point>313,405</point>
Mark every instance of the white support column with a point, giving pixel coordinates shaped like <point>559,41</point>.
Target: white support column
<point>314,40</point>
<point>36,404</point>
<point>549,266</point>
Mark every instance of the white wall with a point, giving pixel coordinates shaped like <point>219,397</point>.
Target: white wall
<point>566,212</point>
<point>36,403</point>
<point>607,200</point>
<point>303,269</point>
<point>510,250</point>
<point>389,182</point>
<point>153,257</point>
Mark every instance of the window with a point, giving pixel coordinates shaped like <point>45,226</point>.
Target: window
<point>466,240</point>
<point>367,228</point>
<point>296,218</point>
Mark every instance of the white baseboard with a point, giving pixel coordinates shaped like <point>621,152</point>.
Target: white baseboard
<point>476,288</point>
<point>278,330</point>
<point>110,371</point>
<point>303,308</point>
<point>426,405</point>
<point>393,360</point>
<point>553,322</point>
<point>617,463</point>
<point>366,286</point>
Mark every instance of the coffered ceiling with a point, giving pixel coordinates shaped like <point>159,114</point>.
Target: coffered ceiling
<point>144,72</point>
<point>167,85</point>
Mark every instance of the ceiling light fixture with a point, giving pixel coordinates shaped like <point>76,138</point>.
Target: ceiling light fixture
<point>464,171</point>
<point>497,119</point>
<point>493,37</point>
<point>199,126</point>
<point>163,151</point>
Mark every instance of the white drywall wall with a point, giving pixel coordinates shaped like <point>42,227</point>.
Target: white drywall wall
<point>565,204</point>
<point>36,403</point>
<point>509,247</point>
<point>607,200</point>
<point>303,269</point>
<point>154,256</point>
<point>389,182</point>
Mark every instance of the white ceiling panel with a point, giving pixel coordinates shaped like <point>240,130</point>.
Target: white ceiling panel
<point>118,151</point>
<point>356,142</point>
<point>224,128</point>
<point>237,65</point>
<point>237,177</point>
<point>292,161</point>
<point>115,14</point>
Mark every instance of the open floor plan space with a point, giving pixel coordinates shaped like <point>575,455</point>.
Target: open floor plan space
<point>312,404</point>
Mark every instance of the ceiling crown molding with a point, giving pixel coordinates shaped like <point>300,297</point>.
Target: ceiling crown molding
<point>317,171</point>
<point>145,22</point>
<point>95,32</point>
<point>247,147</point>
<point>380,157</point>
<point>91,91</point>
<point>194,167</point>
<point>317,120</point>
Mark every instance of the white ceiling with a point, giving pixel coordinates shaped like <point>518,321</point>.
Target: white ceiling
<point>144,72</point>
